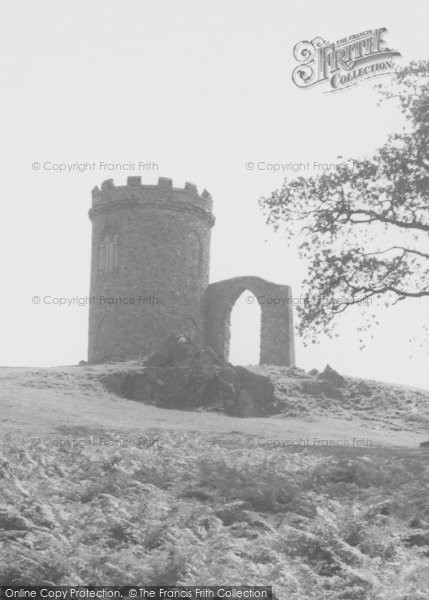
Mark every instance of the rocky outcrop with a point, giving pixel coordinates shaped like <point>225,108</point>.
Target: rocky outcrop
<point>329,374</point>
<point>329,383</point>
<point>180,376</point>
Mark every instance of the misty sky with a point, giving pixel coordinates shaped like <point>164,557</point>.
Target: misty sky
<point>200,88</point>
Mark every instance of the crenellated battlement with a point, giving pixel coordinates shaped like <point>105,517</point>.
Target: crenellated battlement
<point>162,195</point>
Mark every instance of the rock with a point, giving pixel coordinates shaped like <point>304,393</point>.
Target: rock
<point>181,376</point>
<point>114,382</point>
<point>331,390</point>
<point>424,445</point>
<point>256,395</point>
<point>82,363</point>
<point>245,405</point>
<point>329,374</point>
<point>319,387</point>
<point>234,390</point>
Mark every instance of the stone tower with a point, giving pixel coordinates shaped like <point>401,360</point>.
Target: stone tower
<point>149,268</point>
<point>150,277</point>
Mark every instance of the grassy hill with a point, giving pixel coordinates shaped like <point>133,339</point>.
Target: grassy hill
<point>98,489</point>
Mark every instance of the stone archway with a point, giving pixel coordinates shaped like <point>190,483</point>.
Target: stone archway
<point>277,341</point>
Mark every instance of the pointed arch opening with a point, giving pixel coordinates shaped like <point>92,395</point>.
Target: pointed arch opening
<point>108,253</point>
<point>245,330</point>
<point>194,258</point>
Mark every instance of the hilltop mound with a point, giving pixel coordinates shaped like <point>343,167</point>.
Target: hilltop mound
<point>101,488</point>
<point>181,377</point>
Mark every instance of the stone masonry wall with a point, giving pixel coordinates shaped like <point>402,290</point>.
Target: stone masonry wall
<point>277,336</point>
<point>163,267</point>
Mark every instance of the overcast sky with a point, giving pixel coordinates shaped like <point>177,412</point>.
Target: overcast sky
<point>200,88</point>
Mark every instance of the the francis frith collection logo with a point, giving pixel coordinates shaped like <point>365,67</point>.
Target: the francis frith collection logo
<point>343,63</point>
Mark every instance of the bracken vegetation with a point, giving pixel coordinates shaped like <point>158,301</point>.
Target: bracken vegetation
<point>191,510</point>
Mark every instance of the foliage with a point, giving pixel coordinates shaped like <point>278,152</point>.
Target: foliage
<point>363,227</point>
<point>191,511</point>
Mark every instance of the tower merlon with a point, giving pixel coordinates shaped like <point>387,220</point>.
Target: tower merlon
<point>135,181</point>
<point>107,185</point>
<point>206,195</point>
<point>191,188</point>
<point>165,183</point>
<point>96,195</point>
